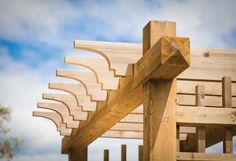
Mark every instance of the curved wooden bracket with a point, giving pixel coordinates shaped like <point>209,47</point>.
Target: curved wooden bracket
<point>78,91</point>
<point>99,67</point>
<point>70,102</point>
<point>56,119</point>
<point>118,55</point>
<point>88,79</point>
<point>61,110</point>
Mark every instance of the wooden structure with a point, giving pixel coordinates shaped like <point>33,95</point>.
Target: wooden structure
<point>150,92</point>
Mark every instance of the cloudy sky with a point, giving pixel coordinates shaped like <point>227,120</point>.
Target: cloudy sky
<point>35,35</point>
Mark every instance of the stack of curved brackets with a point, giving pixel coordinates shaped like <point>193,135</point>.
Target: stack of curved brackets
<point>69,111</point>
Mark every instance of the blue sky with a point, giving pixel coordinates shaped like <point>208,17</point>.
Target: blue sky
<point>35,35</point>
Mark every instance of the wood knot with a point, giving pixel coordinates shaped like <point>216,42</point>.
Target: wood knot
<point>206,54</point>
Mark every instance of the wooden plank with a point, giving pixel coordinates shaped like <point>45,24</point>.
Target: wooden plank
<point>123,153</point>
<point>118,55</point>
<point>201,133</point>
<point>88,80</point>
<point>99,67</point>
<point>70,103</point>
<point>133,134</point>
<point>61,110</point>
<point>106,155</point>
<point>133,118</point>
<point>122,134</point>
<point>201,116</point>
<point>211,64</point>
<point>119,103</point>
<point>78,91</point>
<point>140,153</point>
<point>128,127</point>
<point>227,103</point>
<point>160,95</point>
<point>56,119</point>
<point>210,101</point>
<point>205,157</point>
<point>212,88</point>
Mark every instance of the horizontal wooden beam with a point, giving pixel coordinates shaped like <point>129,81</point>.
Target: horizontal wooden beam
<point>130,92</point>
<point>198,116</point>
<point>205,157</point>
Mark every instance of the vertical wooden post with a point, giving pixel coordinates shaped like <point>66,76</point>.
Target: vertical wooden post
<point>227,103</point>
<point>201,132</point>
<point>78,155</point>
<point>159,103</point>
<point>123,153</point>
<point>106,155</point>
<point>140,153</point>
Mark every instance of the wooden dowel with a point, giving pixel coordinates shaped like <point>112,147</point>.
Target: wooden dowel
<point>106,155</point>
<point>201,132</point>
<point>140,153</point>
<point>227,103</point>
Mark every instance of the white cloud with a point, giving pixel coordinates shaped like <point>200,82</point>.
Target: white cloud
<point>35,21</point>
<point>21,89</point>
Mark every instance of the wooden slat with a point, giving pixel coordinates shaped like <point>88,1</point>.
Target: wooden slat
<point>211,88</point>
<point>129,134</point>
<point>210,101</point>
<point>57,119</point>
<point>119,103</point>
<point>122,134</point>
<point>201,132</point>
<point>211,64</point>
<point>70,103</point>
<point>133,118</point>
<point>205,157</point>
<point>128,127</point>
<point>99,67</point>
<point>78,91</point>
<point>61,110</point>
<point>199,116</point>
<point>227,103</point>
<point>118,55</point>
<point>89,80</point>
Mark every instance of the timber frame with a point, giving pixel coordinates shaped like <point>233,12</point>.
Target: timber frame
<point>178,99</point>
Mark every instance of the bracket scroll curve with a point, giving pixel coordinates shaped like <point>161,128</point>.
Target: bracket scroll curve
<point>57,120</point>
<point>70,102</point>
<point>99,67</point>
<point>78,91</point>
<point>118,55</point>
<point>89,80</point>
<point>61,110</point>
